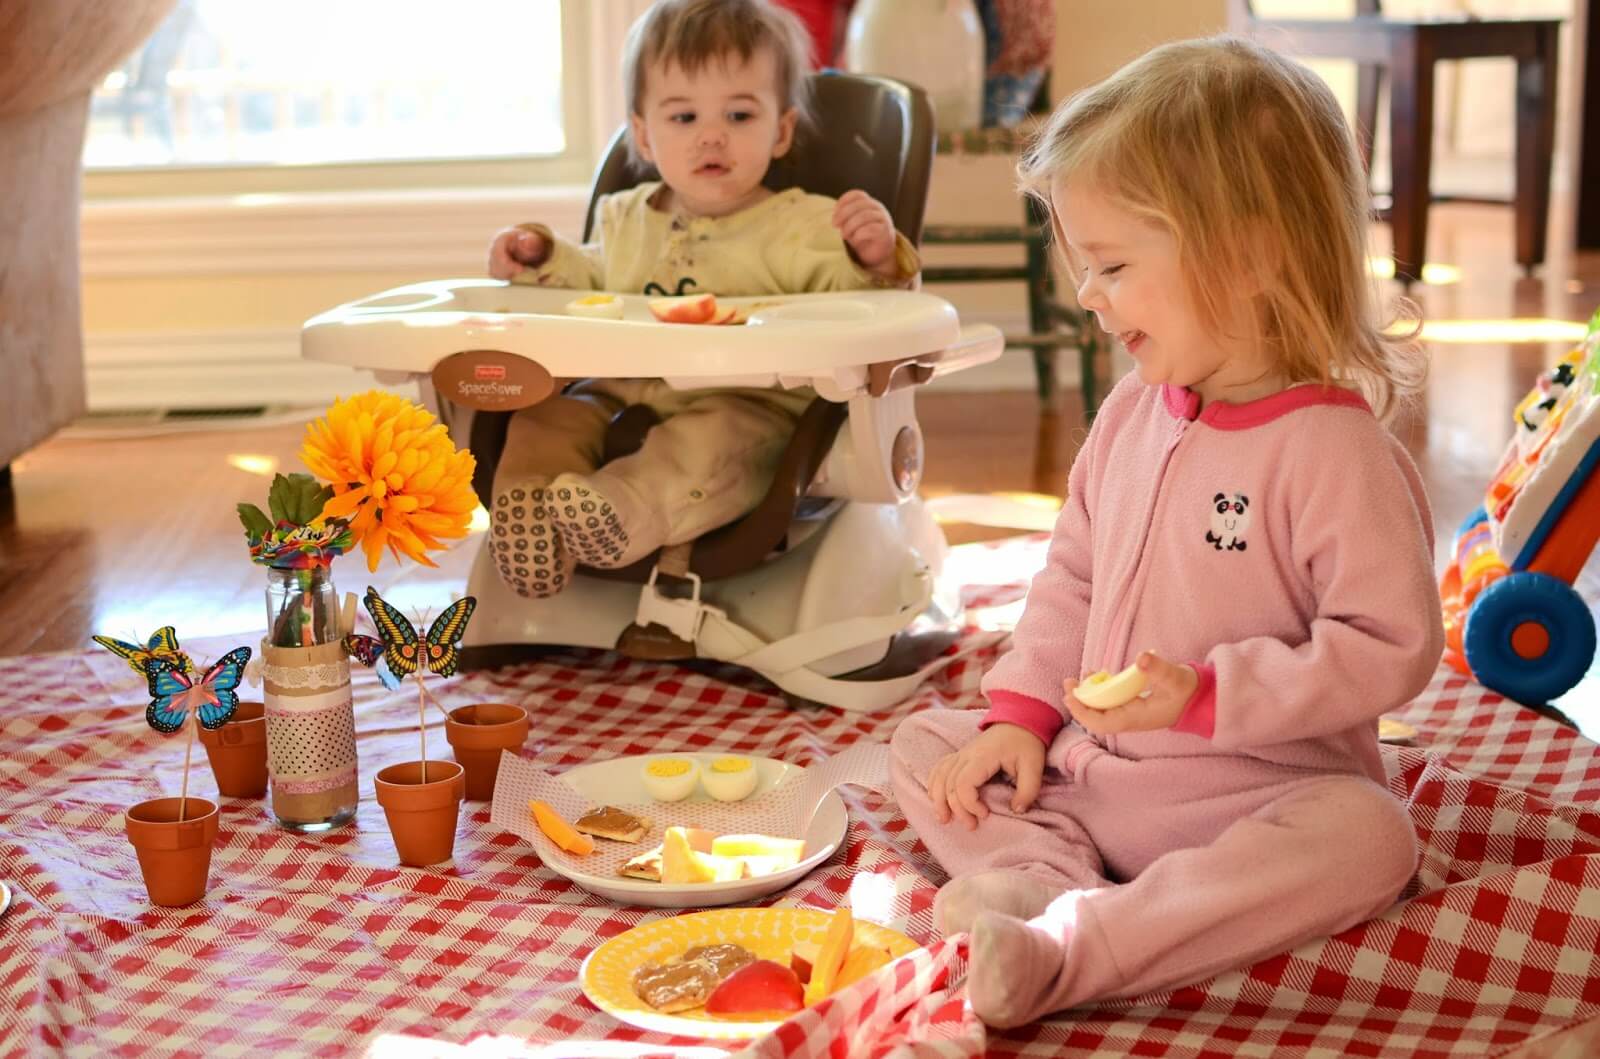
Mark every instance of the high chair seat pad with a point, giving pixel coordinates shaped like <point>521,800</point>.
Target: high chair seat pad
<point>828,340</point>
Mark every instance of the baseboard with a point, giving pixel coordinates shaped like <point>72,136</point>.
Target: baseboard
<point>224,369</point>
<point>179,370</point>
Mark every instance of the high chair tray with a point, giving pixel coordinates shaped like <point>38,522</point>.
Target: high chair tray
<point>412,328</point>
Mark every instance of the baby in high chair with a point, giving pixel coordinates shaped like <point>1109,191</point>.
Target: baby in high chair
<point>1239,525</point>
<point>716,90</point>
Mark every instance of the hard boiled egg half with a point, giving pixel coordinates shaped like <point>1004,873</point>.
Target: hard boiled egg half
<point>729,779</point>
<point>669,779</point>
<point>597,306</point>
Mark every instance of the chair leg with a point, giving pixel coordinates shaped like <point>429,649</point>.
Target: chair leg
<point>1089,369</point>
<point>1536,118</point>
<point>1369,80</point>
<point>1411,130</point>
<point>1041,285</point>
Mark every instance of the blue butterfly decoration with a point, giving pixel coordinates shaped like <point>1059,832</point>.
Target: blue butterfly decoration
<point>213,696</point>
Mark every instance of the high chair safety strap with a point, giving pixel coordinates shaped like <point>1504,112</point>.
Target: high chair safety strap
<point>785,661</point>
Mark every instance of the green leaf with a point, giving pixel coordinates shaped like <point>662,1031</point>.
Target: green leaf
<point>279,501</point>
<point>256,525</point>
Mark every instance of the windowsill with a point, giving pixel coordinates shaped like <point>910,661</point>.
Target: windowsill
<point>443,231</point>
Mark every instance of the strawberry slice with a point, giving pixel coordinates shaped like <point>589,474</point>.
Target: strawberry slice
<point>757,988</point>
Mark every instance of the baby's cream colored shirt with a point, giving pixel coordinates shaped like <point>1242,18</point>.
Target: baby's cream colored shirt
<point>784,244</point>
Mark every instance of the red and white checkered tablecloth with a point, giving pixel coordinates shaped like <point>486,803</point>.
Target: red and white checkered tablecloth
<point>324,945</point>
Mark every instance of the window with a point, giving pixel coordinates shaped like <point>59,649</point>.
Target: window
<point>245,89</point>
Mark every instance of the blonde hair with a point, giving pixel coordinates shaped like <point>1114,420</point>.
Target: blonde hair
<point>692,33</point>
<point>1246,159</point>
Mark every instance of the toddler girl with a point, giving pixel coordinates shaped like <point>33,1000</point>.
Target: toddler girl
<point>715,91</point>
<point>1239,524</point>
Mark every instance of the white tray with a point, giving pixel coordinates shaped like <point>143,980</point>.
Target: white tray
<point>412,328</point>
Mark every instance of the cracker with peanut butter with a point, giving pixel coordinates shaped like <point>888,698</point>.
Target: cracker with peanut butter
<point>619,825</point>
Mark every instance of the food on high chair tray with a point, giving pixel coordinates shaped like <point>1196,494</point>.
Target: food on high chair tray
<point>729,779</point>
<point>1104,691</point>
<point>596,306</point>
<point>670,779</point>
<point>688,309</point>
<point>696,309</point>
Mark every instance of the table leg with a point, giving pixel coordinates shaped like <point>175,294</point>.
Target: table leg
<point>1411,130</point>
<point>1536,118</point>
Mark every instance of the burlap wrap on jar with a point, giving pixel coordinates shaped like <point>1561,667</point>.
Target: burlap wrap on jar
<point>311,735</point>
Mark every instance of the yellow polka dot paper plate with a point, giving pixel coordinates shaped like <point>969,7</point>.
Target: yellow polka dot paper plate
<point>770,933</point>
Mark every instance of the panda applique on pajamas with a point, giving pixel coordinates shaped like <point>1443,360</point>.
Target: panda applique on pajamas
<point>1230,517</point>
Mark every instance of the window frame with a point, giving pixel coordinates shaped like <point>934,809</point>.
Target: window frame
<point>579,78</point>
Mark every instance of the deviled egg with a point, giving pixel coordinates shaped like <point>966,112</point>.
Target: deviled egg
<point>597,306</point>
<point>729,779</point>
<point>669,779</point>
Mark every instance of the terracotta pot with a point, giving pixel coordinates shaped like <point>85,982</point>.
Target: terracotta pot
<point>238,752</point>
<point>422,816</point>
<point>477,734</point>
<point>174,857</point>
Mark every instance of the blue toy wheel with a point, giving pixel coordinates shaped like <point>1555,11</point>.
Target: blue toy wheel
<point>1529,637</point>
<point>1478,515</point>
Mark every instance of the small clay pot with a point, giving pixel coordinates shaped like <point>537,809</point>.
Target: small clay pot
<point>174,857</point>
<point>238,752</point>
<point>422,816</point>
<point>477,734</point>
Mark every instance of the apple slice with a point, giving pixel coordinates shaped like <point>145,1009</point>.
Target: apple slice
<point>689,309</point>
<point>682,863</point>
<point>726,314</point>
<point>788,850</point>
<point>757,988</point>
<point>803,958</point>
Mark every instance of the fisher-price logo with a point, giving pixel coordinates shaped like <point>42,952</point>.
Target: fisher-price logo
<point>488,372</point>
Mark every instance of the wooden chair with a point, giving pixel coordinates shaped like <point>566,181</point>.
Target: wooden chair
<point>1052,323</point>
<point>1405,51</point>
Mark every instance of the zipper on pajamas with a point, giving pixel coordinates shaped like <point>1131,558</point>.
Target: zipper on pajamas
<point>1121,615</point>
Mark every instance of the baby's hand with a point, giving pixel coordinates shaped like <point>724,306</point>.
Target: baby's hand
<point>1170,687</point>
<point>954,781</point>
<point>868,231</point>
<point>515,249</point>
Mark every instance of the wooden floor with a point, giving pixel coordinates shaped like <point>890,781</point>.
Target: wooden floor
<point>117,535</point>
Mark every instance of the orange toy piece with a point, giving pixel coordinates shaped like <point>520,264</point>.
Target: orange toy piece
<point>559,831</point>
<point>831,956</point>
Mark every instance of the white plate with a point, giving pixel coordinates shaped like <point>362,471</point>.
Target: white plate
<point>617,782</point>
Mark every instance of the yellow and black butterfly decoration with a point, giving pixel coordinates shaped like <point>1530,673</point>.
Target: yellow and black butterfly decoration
<point>162,645</point>
<point>400,650</point>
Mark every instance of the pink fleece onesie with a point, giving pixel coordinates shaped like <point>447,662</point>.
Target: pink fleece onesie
<point>1284,548</point>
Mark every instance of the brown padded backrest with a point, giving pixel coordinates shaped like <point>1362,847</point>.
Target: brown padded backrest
<point>872,133</point>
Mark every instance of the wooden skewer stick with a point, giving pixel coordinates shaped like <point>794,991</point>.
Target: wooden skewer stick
<point>188,749</point>
<point>422,722</point>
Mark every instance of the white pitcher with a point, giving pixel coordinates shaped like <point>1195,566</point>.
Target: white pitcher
<point>935,44</point>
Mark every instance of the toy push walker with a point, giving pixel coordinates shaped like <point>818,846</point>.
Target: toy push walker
<point>1512,618</point>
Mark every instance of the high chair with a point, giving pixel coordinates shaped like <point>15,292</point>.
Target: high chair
<point>831,587</point>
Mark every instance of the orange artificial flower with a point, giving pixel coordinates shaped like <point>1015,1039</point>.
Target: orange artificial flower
<point>395,473</point>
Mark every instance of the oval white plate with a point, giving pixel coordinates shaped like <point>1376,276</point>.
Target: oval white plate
<point>617,782</point>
